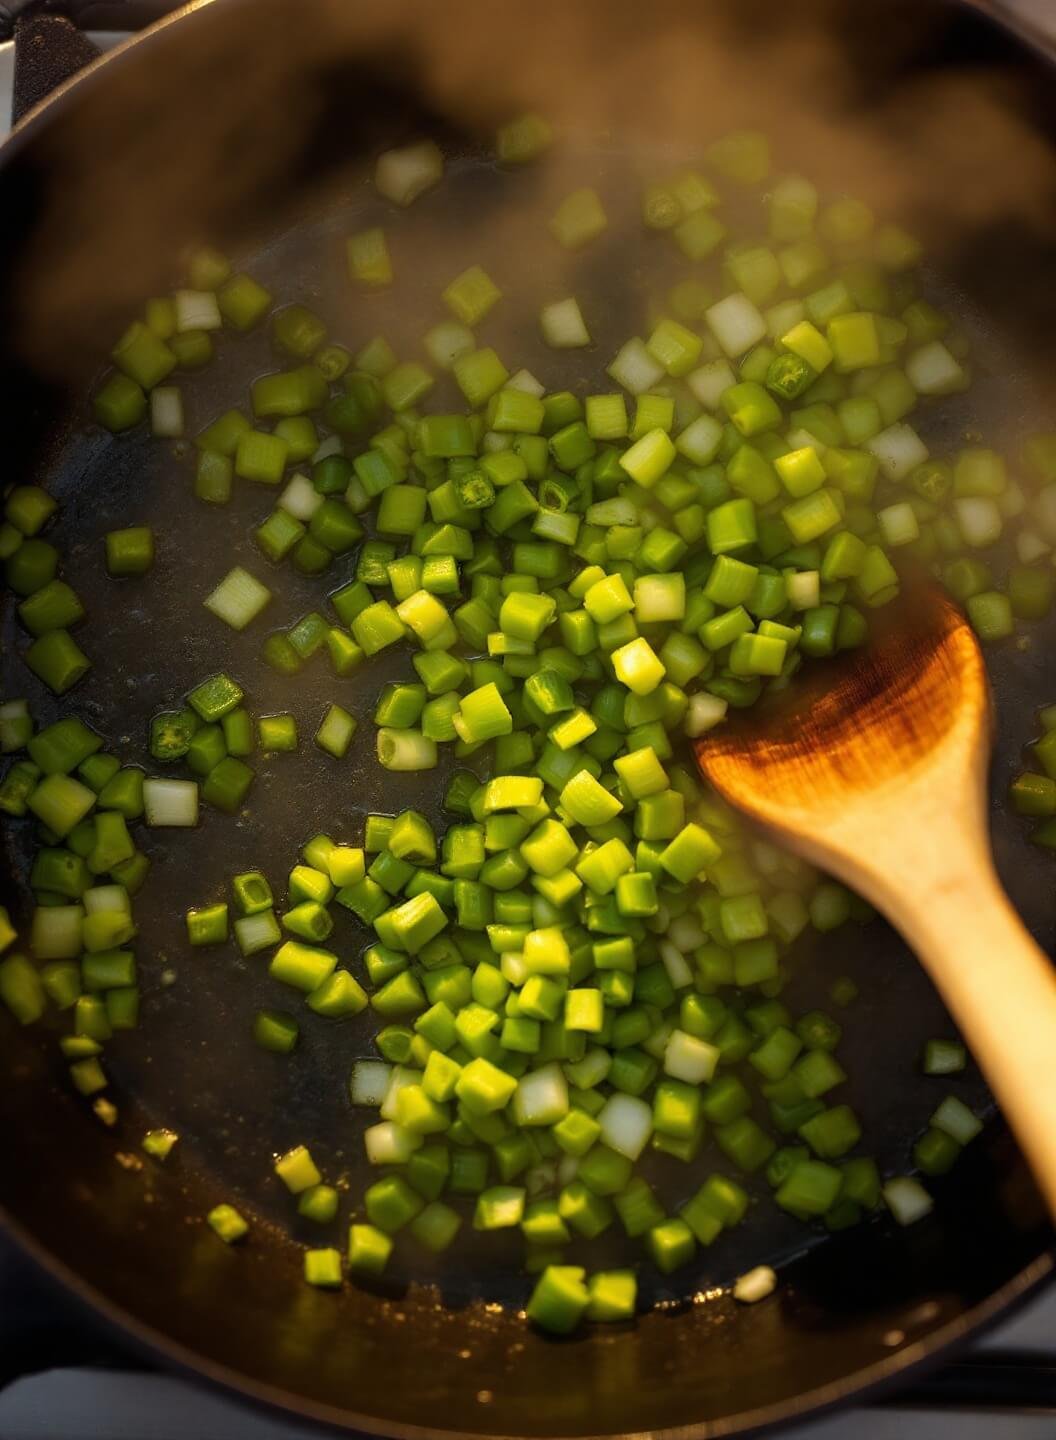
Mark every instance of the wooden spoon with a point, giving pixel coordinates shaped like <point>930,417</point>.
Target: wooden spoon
<point>877,773</point>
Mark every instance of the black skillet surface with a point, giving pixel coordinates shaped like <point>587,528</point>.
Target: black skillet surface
<point>851,1310</point>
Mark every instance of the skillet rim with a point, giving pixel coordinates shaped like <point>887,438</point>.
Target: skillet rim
<point>869,1383</point>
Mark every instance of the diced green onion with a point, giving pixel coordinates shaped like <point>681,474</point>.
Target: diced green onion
<point>58,660</point>
<point>907,1200</point>
<point>563,325</point>
<point>523,139</point>
<point>368,258</point>
<point>170,802</point>
<point>226,1222</point>
<point>404,174</point>
<point>243,302</point>
<point>471,295</point>
<point>238,599</point>
<point>579,219</point>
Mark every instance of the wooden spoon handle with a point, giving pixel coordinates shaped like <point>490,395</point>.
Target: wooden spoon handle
<point>999,986</point>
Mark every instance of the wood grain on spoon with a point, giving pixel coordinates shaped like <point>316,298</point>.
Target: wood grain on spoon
<point>876,771</point>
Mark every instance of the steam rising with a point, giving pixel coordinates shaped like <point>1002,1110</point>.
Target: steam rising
<point>250,113</point>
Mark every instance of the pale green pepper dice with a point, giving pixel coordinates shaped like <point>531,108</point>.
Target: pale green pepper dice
<point>854,341</point>
<point>159,1143</point>
<point>670,1244</point>
<point>483,1087</point>
<point>436,1226</point>
<point>751,408</point>
<point>207,926</point>
<point>391,1204</point>
<point>272,1030</point>
<point>297,1170</point>
<point>689,852</point>
<point>323,1268</point>
<point>649,458</point>
<point>613,1295</point>
<point>560,1299</point>
<point>227,1223</point>
<point>369,1249</point>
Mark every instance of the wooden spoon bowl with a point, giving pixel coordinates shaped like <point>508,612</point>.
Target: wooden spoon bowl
<point>875,769</point>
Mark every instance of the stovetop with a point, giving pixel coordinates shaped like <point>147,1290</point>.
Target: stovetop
<point>107,1392</point>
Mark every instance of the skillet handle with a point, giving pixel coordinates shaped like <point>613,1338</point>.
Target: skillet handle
<point>992,1379</point>
<point>48,51</point>
<point>51,43</point>
<point>43,1328</point>
<point>87,14</point>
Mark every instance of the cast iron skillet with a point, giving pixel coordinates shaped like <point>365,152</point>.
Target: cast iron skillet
<point>254,122</point>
